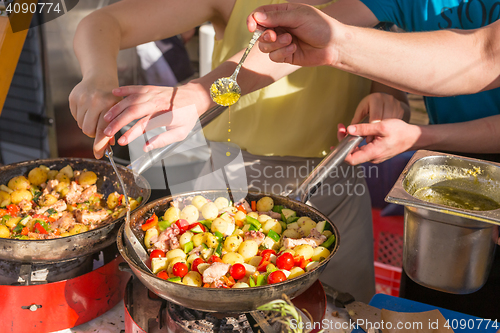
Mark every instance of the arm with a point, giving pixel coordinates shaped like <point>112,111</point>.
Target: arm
<point>440,63</point>
<point>103,33</point>
<point>393,136</point>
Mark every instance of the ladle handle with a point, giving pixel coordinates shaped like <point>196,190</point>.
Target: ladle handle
<point>147,160</point>
<point>314,180</point>
<point>256,35</point>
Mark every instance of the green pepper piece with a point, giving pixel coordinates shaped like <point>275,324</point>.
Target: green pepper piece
<point>252,228</point>
<point>251,282</point>
<point>277,208</point>
<point>5,218</point>
<point>261,279</point>
<point>218,251</point>
<point>162,225</point>
<point>254,222</point>
<point>51,211</point>
<point>19,227</point>
<point>329,242</point>
<point>139,199</point>
<point>175,279</point>
<point>219,236</point>
<point>188,247</point>
<point>207,223</point>
<point>274,235</point>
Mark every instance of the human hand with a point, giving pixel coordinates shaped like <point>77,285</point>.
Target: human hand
<point>389,138</point>
<point>88,102</point>
<point>156,107</point>
<point>379,106</point>
<point>303,35</point>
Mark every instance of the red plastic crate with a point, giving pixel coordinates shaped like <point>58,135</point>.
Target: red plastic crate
<point>388,252</point>
<point>387,279</point>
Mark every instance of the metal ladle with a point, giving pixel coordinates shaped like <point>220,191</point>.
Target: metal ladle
<point>226,91</point>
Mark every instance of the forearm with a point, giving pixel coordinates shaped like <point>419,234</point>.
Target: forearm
<point>96,44</point>
<point>476,136</point>
<point>439,63</point>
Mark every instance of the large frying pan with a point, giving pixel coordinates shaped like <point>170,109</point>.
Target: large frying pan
<point>246,299</point>
<point>80,244</point>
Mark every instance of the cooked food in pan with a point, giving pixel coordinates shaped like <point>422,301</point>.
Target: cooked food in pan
<point>220,245</point>
<point>56,203</point>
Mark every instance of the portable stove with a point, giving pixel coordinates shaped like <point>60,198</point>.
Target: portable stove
<point>53,296</point>
<point>147,313</point>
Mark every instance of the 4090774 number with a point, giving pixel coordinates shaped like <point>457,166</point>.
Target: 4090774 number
<point>41,7</point>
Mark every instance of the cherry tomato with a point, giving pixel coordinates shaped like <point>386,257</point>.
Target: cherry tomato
<point>285,261</point>
<point>196,262</point>
<point>213,259</point>
<point>237,271</point>
<point>157,254</point>
<point>275,277</point>
<point>163,275</point>
<point>180,269</point>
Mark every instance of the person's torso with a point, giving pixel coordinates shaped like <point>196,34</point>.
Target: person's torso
<point>431,15</point>
<point>295,116</point>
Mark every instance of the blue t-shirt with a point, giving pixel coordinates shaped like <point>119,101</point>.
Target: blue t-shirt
<point>430,15</point>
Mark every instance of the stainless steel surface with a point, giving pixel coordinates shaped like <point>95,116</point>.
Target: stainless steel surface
<point>445,248</point>
<point>229,84</point>
<point>139,251</point>
<point>147,160</point>
<point>314,180</point>
<point>79,244</point>
<point>234,300</point>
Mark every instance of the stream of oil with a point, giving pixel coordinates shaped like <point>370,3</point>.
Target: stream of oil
<point>229,131</point>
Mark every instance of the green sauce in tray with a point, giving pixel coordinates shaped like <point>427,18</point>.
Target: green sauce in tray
<point>457,198</point>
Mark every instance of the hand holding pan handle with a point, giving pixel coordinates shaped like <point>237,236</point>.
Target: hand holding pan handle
<point>314,180</point>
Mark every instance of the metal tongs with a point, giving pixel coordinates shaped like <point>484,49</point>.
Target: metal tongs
<point>139,251</point>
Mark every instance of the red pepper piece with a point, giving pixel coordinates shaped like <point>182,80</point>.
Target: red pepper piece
<point>213,259</point>
<point>3,212</point>
<point>254,206</point>
<point>263,265</point>
<point>241,209</point>
<point>150,223</point>
<point>120,200</point>
<point>40,229</point>
<point>13,210</point>
<point>25,231</point>
<point>191,226</point>
<point>266,255</point>
<point>182,224</point>
<point>41,217</point>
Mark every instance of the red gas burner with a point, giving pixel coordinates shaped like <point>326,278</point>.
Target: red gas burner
<point>147,313</point>
<point>36,303</point>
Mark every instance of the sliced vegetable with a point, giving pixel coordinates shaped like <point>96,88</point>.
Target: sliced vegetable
<point>163,275</point>
<point>182,224</point>
<point>162,225</point>
<point>287,213</point>
<point>218,250</point>
<point>219,236</point>
<point>253,222</point>
<point>261,280</point>
<point>175,279</point>
<point>253,204</point>
<point>188,247</point>
<point>39,229</point>
<point>51,211</point>
<point>150,223</point>
<point>274,235</point>
<point>320,226</point>
<point>251,282</point>
<point>277,208</point>
<point>329,242</point>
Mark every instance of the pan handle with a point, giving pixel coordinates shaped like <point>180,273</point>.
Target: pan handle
<point>147,160</point>
<point>314,180</point>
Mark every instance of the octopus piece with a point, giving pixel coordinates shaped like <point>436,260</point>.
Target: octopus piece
<point>246,205</point>
<point>162,242</point>
<point>315,239</point>
<point>215,272</point>
<point>196,250</point>
<point>59,206</point>
<point>174,243</point>
<point>272,214</point>
<point>257,236</point>
<point>88,217</point>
